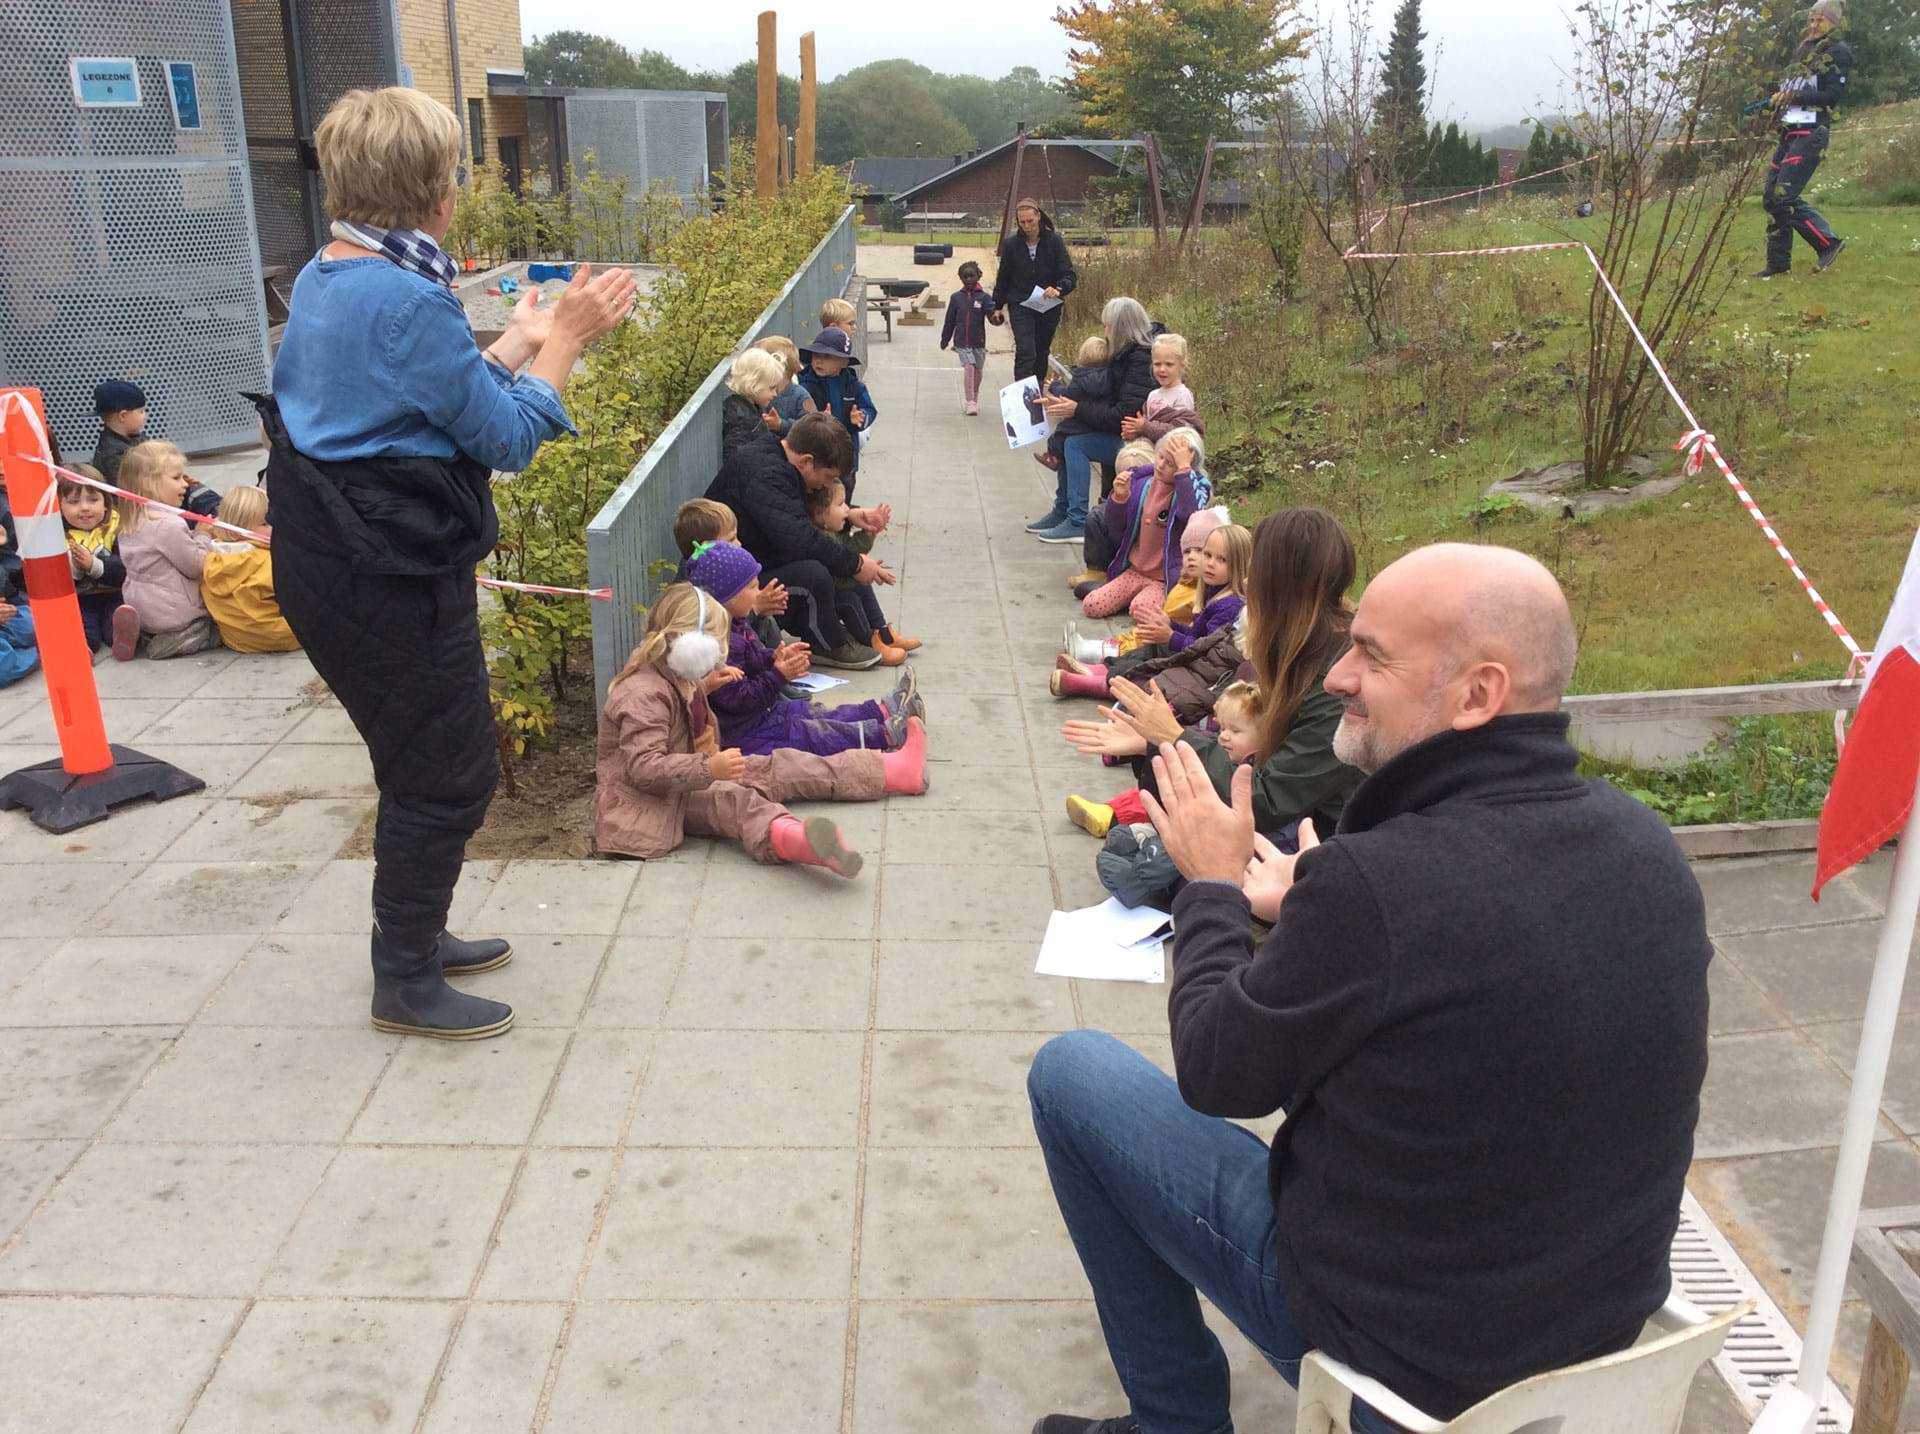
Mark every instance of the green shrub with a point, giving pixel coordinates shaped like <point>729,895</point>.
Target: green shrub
<point>722,269</point>
<point>1764,769</point>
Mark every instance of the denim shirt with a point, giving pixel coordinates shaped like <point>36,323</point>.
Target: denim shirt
<point>377,360</point>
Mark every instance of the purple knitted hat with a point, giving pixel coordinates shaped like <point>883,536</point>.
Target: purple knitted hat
<point>722,569</point>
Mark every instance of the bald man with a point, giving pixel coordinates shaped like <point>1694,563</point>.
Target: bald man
<point>1482,1008</point>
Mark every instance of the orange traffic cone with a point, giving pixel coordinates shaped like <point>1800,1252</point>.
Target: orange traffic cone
<point>92,776</point>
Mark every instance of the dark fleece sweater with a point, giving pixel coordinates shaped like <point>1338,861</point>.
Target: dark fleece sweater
<point>1484,1010</point>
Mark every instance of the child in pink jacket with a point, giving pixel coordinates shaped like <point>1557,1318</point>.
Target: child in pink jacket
<point>163,558</point>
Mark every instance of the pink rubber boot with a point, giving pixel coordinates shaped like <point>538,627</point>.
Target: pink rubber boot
<point>906,765</point>
<point>815,842</point>
<point>1091,683</point>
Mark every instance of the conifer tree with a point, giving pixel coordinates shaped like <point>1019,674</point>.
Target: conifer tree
<point>1400,107</point>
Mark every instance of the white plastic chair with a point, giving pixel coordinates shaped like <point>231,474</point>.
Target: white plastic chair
<point>1637,1391</point>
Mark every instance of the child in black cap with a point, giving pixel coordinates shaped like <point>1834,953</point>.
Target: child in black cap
<point>122,408</point>
<point>835,387</point>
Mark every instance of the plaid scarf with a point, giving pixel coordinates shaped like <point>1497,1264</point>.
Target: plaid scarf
<point>409,248</point>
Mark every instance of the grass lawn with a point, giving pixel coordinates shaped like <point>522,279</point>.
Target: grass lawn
<point>1809,382</point>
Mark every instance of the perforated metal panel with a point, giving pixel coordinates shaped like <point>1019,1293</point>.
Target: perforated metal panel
<point>645,136</point>
<point>127,248</point>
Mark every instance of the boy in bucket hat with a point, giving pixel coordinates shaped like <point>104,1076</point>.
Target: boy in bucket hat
<point>831,381</point>
<point>122,410</point>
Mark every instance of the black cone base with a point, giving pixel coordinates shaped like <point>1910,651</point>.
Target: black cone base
<point>58,801</point>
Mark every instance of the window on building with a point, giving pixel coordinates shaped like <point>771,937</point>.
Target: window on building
<point>477,130</point>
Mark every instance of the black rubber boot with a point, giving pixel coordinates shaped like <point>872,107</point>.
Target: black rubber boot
<point>412,998</point>
<point>470,958</point>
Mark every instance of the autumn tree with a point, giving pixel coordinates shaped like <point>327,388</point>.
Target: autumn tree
<point>1182,69</point>
<point>577,59</point>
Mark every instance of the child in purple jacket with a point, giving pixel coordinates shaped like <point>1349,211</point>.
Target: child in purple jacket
<point>753,716</point>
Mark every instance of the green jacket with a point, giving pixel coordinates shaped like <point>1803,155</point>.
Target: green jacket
<point>854,540</point>
<point>1302,779</point>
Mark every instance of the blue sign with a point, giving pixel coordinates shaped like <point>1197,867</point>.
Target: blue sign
<point>105,83</point>
<point>183,88</point>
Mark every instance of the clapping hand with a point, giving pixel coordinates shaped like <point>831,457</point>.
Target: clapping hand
<point>721,677</point>
<point>1110,738</point>
<point>771,419</point>
<point>1269,876</point>
<point>1207,839</point>
<point>1156,629</point>
<point>792,659</point>
<point>872,570</point>
<point>1131,425</point>
<point>857,417</point>
<point>871,520</point>
<point>773,598</point>
<point>1146,710</point>
<point>1122,485</point>
<point>81,557</point>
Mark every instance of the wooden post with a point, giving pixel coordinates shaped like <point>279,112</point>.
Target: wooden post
<point>1152,146</point>
<point>784,173</point>
<point>766,130</point>
<point>1196,215</point>
<point>803,141</point>
<point>1013,186</point>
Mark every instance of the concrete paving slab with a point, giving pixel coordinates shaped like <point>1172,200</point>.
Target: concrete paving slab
<point>967,985</point>
<point>66,1081</point>
<point>778,983</point>
<point>487,1097</point>
<point>28,1169</point>
<point>776,1088</point>
<point>125,1388</point>
<point>549,1220</point>
<point>593,1098</point>
<point>495,1373</point>
<point>123,981</point>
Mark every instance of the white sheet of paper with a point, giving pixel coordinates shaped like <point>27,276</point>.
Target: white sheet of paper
<point>819,682</point>
<point>1039,302</point>
<point>1018,419</point>
<point>1109,942</point>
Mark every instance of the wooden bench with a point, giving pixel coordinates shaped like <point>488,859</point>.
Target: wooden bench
<point>879,303</point>
<point>1886,1254</point>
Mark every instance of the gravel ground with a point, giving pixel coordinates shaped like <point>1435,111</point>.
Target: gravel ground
<point>489,312</point>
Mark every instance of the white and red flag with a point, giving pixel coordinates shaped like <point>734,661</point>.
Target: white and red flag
<point>1873,785</point>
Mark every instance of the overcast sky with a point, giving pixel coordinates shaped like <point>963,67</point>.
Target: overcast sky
<point>1499,60</point>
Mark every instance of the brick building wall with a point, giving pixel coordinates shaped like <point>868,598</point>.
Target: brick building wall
<point>1054,176</point>
<point>489,40</point>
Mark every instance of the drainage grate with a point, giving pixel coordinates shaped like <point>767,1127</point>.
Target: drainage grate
<point>1762,1350</point>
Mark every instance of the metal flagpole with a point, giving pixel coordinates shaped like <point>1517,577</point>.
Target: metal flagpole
<point>1793,1410</point>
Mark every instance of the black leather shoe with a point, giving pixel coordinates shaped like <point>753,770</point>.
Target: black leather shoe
<point>1076,1424</point>
<point>470,958</point>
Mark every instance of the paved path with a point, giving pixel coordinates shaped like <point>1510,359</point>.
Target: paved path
<point>757,1152</point>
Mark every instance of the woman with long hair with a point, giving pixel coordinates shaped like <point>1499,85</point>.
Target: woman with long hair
<point>1297,621</point>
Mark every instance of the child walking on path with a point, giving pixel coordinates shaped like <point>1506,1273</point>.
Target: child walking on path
<point>965,328</point>
<point>753,716</point>
<point>661,773</point>
<point>163,559</point>
<point>93,550</point>
<point>1146,513</point>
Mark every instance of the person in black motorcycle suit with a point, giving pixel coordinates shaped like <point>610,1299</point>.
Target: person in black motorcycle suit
<point>1803,110</point>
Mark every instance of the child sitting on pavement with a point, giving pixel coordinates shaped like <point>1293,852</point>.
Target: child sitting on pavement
<point>702,520</point>
<point>164,558</point>
<point>832,381</point>
<point>1091,378</point>
<point>661,772</point>
<point>793,400</point>
<point>1235,713</point>
<point>855,601</point>
<point>753,716</point>
<point>237,581</point>
<point>1182,597</point>
<point>19,648</point>
<point>747,412</point>
<point>93,551</point>
<point>1226,558</point>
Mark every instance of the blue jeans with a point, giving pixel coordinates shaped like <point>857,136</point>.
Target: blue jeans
<point>1164,1204</point>
<point>1076,472</point>
<point>19,653</point>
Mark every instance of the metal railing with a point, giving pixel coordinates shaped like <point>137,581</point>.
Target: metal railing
<point>635,528</point>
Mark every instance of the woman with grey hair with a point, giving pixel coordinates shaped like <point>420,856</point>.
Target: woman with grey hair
<point>1093,424</point>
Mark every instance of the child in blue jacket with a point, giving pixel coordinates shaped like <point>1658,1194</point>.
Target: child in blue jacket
<point>831,381</point>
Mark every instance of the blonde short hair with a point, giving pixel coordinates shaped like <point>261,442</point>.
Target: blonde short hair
<point>785,349</point>
<point>1137,454</point>
<point>141,471</point>
<point>757,375</point>
<point>388,156</point>
<point>1094,349</point>
<point>1175,344</point>
<point>244,506</point>
<point>836,311</point>
<point>1243,695</point>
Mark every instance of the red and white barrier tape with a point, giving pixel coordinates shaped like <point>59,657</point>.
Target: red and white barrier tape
<point>1388,212</point>
<point>597,594</point>
<point>1696,443</point>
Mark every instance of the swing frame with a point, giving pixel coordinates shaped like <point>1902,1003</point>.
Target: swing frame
<point>1146,142</point>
